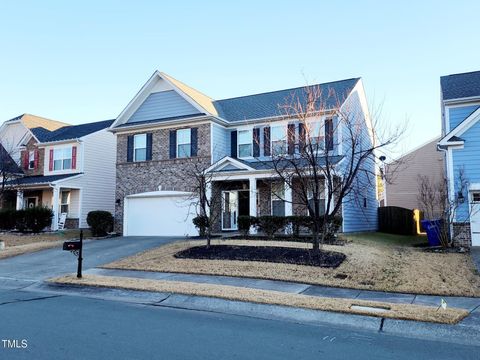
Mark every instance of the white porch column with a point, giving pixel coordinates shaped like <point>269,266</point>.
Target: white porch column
<point>288,199</point>
<point>55,205</point>
<point>19,204</point>
<point>208,194</point>
<point>253,200</point>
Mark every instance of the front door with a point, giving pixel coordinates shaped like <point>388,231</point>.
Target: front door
<point>229,210</point>
<point>30,202</point>
<point>475,217</point>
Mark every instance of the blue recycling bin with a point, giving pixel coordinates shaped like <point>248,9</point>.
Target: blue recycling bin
<point>433,229</point>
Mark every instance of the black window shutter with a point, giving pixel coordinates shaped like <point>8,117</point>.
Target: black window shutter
<point>256,142</point>
<point>329,134</point>
<point>194,141</point>
<point>130,148</point>
<point>173,144</point>
<point>233,144</point>
<point>301,136</point>
<point>266,141</point>
<point>149,146</point>
<point>291,138</point>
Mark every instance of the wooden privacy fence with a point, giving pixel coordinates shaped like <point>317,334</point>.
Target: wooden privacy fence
<point>396,220</point>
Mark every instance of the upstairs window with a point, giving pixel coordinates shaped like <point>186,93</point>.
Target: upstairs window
<point>279,140</point>
<point>315,133</point>
<point>31,159</point>
<point>184,145</point>
<point>245,146</point>
<point>140,147</point>
<point>62,158</point>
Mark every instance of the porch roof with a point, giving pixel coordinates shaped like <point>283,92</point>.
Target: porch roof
<point>39,180</point>
<point>263,165</point>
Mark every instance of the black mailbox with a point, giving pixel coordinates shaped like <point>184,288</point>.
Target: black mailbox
<point>71,245</point>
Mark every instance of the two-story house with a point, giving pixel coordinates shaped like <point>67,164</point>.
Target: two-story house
<point>460,104</point>
<point>169,128</point>
<point>69,168</point>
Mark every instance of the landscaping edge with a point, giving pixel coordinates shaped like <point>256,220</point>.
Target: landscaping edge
<point>340,305</point>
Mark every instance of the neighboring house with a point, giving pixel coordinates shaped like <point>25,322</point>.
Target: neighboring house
<point>69,168</point>
<point>401,187</point>
<point>168,128</point>
<point>460,143</point>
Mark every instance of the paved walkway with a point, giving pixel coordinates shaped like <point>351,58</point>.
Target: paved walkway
<point>468,303</point>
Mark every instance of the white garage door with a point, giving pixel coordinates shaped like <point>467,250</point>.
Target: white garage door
<point>159,213</point>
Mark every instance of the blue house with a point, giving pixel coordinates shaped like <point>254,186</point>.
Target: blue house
<point>168,126</point>
<point>461,144</point>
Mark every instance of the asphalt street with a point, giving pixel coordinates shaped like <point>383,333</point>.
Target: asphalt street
<point>72,327</point>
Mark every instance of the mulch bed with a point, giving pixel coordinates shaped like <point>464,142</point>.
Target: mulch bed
<point>297,256</point>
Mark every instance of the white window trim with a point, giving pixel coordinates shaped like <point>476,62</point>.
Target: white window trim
<point>274,197</point>
<point>64,204</point>
<point>184,143</point>
<point>310,196</point>
<point>285,133</point>
<point>136,136</point>
<point>62,149</point>
<point>31,159</point>
<point>250,136</point>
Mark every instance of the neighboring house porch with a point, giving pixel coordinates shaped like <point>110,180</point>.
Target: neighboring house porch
<point>53,192</point>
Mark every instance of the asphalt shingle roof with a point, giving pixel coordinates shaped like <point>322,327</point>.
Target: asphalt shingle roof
<point>76,131</point>
<point>283,164</point>
<point>457,86</point>
<point>38,180</point>
<point>269,104</point>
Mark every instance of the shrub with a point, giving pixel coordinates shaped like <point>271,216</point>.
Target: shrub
<point>201,223</point>
<point>37,218</point>
<point>245,222</point>
<point>7,219</point>
<point>271,224</point>
<point>333,226</point>
<point>297,222</point>
<point>100,222</point>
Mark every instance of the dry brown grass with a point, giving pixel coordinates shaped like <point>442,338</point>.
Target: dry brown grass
<point>395,311</point>
<point>367,266</point>
<point>18,244</point>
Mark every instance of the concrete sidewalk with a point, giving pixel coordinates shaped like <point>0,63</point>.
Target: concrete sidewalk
<point>468,303</point>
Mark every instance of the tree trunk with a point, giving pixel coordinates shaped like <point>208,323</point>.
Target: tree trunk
<point>316,242</point>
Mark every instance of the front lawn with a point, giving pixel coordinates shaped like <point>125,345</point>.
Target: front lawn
<point>373,262</point>
<point>21,243</point>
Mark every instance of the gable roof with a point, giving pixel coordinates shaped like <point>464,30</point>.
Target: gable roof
<point>458,86</point>
<point>73,131</point>
<point>258,106</point>
<point>32,121</point>
<point>269,104</point>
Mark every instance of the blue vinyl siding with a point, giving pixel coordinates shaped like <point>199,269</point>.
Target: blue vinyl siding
<point>220,147</point>
<point>162,105</point>
<point>356,216</point>
<point>467,159</point>
<point>458,114</point>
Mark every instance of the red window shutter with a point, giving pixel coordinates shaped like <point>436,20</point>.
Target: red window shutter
<point>35,157</point>
<point>74,157</point>
<point>50,163</point>
<point>25,160</point>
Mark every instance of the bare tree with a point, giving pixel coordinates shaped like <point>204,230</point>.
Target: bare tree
<point>322,178</point>
<point>437,204</point>
<point>205,198</point>
<point>9,170</point>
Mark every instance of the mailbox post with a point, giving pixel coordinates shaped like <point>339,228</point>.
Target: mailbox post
<point>76,247</point>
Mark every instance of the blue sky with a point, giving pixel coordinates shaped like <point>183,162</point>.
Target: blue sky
<point>83,61</point>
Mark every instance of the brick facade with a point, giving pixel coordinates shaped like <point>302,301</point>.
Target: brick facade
<point>462,237</point>
<point>32,146</point>
<point>171,174</point>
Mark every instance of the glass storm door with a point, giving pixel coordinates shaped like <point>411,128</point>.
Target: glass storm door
<point>229,210</point>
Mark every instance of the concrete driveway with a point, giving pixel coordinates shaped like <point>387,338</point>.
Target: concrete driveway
<point>23,270</point>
